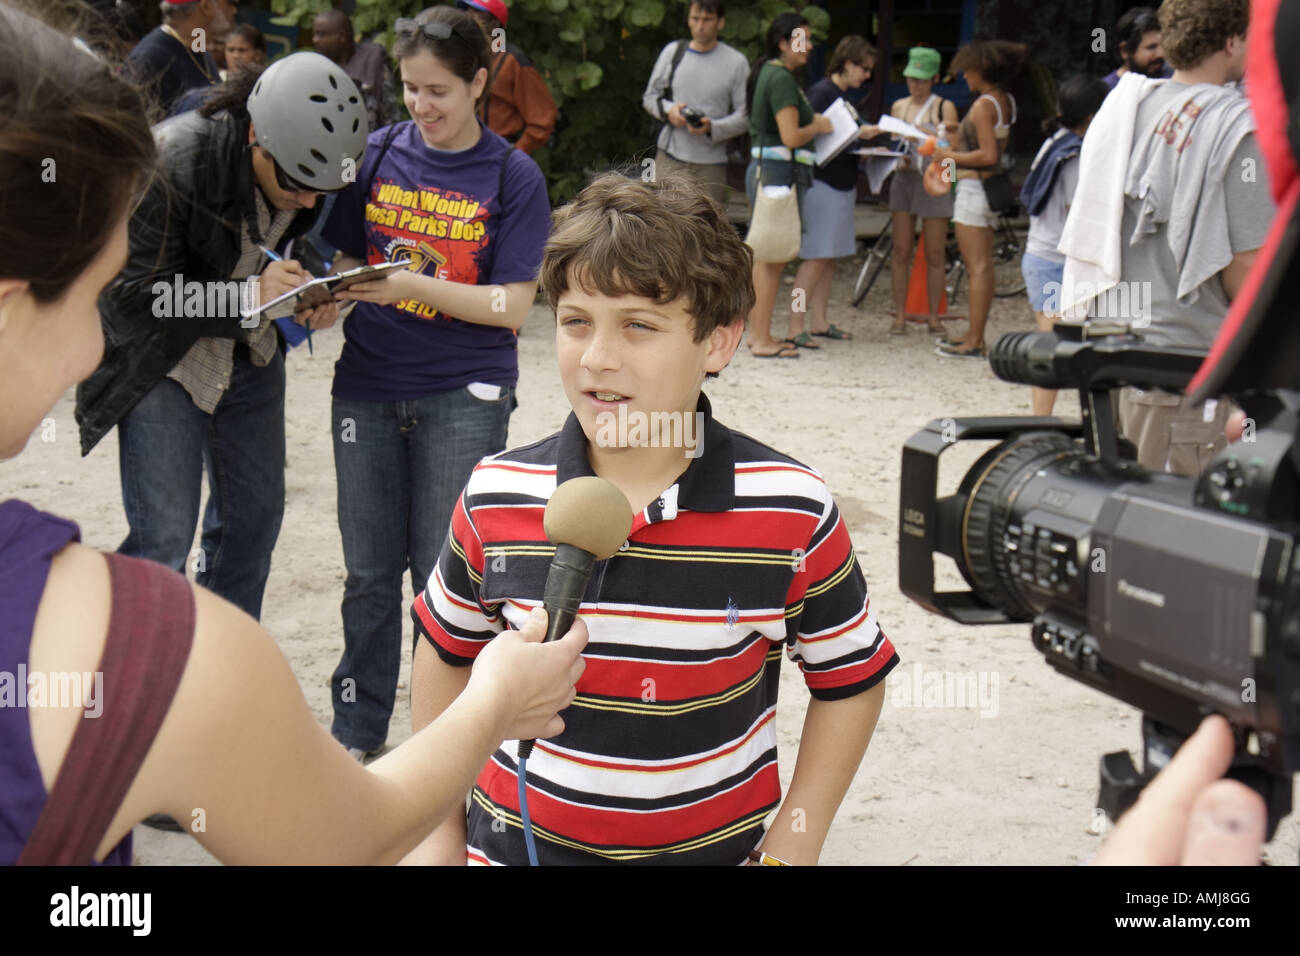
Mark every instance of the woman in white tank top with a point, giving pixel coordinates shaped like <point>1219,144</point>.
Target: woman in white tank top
<point>989,66</point>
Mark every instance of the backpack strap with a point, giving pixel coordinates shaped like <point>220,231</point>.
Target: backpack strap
<point>379,158</point>
<point>150,632</point>
<point>499,62</point>
<point>678,55</point>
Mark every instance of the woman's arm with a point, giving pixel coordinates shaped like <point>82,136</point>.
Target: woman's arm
<point>981,115</point>
<point>505,306</point>
<point>792,134</point>
<point>500,305</point>
<point>241,752</point>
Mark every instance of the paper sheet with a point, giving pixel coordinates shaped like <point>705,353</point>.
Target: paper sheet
<point>897,127</point>
<point>844,131</point>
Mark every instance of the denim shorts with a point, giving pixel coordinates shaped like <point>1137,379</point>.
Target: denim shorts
<point>1039,273</point>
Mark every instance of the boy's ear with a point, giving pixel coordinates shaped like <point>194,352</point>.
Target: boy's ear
<point>723,342</point>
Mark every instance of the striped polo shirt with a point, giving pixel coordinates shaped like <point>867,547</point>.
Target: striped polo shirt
<point>668,755</point>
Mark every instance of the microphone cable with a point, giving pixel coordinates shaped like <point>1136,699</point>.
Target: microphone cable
<point>526,749</point>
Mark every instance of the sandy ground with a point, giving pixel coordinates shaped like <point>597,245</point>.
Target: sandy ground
<point>1012,782</point>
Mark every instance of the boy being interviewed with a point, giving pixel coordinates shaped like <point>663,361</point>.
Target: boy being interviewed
<point>668,755</point>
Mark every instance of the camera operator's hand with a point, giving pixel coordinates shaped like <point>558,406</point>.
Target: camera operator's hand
<point>1235,426</point>
<point>1187,815</point>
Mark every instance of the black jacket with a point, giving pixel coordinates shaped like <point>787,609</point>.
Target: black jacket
<point>187,224</point>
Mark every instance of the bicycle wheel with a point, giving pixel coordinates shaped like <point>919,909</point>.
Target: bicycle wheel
<point>877,256</point>
<point>955,274</point>
<point>1008,248</point>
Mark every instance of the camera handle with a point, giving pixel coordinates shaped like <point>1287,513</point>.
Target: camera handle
<point>1122,783</point>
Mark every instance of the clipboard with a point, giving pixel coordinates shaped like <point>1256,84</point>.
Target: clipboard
<point>322,289</point>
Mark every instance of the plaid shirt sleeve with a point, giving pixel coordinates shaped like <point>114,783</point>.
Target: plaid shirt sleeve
<point>449,612</point>
<point>831,630</point>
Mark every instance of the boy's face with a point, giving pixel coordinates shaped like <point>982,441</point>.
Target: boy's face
<point>629,351</point>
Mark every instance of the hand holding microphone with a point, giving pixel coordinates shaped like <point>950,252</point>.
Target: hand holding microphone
<point>587,519</point>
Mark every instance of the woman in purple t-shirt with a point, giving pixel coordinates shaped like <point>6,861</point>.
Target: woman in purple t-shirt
<point>425,385</point>
<point>229,735</point>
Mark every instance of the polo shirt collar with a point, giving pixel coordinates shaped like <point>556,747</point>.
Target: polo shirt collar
<point>708,484</point>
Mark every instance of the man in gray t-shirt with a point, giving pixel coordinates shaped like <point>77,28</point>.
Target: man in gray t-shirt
<point>708,78</point>
<point>1197,198</point>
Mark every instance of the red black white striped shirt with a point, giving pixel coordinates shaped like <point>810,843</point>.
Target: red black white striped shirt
<point>669,751</point>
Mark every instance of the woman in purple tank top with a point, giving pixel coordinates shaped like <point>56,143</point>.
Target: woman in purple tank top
<point>86,639</point>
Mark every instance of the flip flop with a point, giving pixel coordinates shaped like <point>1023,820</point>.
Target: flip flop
<point>780,353</point>
<point>980,353</point>
<point>833,332</point>
<point>898,330</point>
<point>804,341</point>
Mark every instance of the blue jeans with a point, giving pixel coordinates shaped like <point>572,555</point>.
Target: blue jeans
<point>401,467</point>
<point>166,441</point>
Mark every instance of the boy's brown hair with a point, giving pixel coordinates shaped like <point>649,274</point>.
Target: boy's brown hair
<point>662,240</point>
<point>1191,30</point>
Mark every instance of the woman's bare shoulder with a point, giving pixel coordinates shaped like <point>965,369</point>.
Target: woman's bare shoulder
<point>67,638</point>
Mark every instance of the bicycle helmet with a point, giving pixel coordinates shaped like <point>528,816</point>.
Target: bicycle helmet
<point>309,115</point>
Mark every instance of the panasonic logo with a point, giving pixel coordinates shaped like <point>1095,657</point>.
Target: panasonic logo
<point>1154,598</point>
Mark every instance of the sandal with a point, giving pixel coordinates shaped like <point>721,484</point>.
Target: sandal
<point>784,351</point>
<point>936,328</point>
<point>950,350</point>
<point>804,341</point>
<point>833,332</point>
<point>898,328</point>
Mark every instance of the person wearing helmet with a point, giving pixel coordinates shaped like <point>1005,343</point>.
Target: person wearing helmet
<point>426,382</point>
<point>187,380</point>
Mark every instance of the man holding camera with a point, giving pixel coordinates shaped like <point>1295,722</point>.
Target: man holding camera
<point>697,90</point>
<point>1167,226</point>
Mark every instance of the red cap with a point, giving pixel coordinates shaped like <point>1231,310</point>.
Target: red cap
<point>495,7</point>
<point>1258,346</point>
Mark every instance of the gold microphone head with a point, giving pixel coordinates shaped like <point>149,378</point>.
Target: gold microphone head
<point>589,513</point>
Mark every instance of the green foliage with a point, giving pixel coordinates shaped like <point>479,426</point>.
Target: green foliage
<point>596,56</point>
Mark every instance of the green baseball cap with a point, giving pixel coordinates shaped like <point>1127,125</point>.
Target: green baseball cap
<point>922,63</point>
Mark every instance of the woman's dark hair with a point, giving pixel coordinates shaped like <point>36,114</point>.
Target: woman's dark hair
<point>250,33</point>
<point>464,53</point>
<point>74,150</point>
<point>852,49</point>
<point>1133,26</point>
<point>1079,97</point>
<point>233,94</point>
<point>998,61</point>
<point>781,28</point>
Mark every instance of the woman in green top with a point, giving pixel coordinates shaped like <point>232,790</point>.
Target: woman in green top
<point>781,123</point>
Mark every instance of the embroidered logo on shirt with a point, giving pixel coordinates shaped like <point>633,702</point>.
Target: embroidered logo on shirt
<point>733,614</point>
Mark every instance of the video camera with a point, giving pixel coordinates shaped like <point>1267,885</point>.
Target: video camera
<point>1179,596</point>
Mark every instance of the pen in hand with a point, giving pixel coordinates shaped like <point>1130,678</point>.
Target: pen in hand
<point>274,257</point>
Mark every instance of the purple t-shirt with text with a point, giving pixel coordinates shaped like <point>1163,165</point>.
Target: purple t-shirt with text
<point>442,210</point>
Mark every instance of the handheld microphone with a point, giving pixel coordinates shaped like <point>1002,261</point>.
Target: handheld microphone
<point>587,519</point>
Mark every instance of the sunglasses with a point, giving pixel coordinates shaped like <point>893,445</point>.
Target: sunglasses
<point>406,28</point>
<point>283,180</point>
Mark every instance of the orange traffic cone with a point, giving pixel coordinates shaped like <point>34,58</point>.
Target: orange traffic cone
<point>918,298</point>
